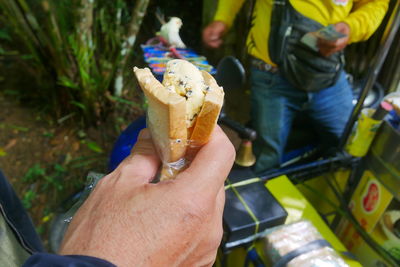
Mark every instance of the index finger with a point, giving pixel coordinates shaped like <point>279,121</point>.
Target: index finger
<point>210,166</point>
<point>326,43</point>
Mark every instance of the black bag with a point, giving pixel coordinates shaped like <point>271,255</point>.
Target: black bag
<point>303,67</point>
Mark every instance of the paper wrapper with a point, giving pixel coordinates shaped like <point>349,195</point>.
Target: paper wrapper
<point>288,238</point>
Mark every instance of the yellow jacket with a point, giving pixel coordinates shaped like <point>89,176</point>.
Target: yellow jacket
<point>363,17</point>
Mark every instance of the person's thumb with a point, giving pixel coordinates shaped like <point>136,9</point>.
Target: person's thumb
<point>143,163</point>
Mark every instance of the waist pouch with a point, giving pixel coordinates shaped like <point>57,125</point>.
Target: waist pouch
<point>303,67</point>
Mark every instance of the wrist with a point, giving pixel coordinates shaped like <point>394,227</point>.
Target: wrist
<point>222,22</point>
<point>220,25</point>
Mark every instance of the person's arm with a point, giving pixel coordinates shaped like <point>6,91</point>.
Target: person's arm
<point>223,20</point>
<point>128,221</point>
<point>227,11</point>
<point>361,23</point>
<point>365,18</point>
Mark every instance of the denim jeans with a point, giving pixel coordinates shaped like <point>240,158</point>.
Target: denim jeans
<point>274,104</point>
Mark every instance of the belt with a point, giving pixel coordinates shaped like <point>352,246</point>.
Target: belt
<point>261,65</point>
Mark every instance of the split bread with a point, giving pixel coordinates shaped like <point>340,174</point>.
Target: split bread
<point>182,111</point>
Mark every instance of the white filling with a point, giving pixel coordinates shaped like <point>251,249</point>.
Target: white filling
<point>186,80</point>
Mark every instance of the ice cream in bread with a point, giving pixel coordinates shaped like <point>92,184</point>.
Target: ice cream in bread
<point>182,110</point>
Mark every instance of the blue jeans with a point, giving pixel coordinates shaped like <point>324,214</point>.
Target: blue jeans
<point>274,104</point>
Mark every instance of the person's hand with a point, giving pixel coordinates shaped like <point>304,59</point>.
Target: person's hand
<point>131,222</point>
<point>213,33</point>
<point>327,48</point>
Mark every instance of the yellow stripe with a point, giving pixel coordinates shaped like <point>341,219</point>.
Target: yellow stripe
<point>233,187</point>
<point>242,183</point>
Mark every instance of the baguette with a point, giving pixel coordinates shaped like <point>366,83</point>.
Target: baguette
<point>182,112</point>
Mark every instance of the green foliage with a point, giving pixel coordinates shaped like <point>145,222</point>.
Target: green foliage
<point>40,180</point>
<point>75,49</point>
<point>19,128</point>
<point>50,178</point>
<point>28,198</point>
<point>34,173</point>
<point>5,35</point>
<point>48,134</point>
<point>93,146</point>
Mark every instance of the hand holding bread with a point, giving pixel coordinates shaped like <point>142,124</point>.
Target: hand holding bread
<point>182,111</point>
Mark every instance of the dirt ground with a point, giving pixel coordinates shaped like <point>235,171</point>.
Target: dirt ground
<point>46,161</point>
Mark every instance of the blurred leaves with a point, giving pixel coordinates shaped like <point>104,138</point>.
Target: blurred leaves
<point>40,180</point>
<point>5,35</point>
<point>28,198</point>
<point>33,173</point>
<point>93,146</point>
<point>75,49</point>
<point>2,152</point>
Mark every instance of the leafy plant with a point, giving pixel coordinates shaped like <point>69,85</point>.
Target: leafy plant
<point>93,146</point>
<point>28,198</point>
<point>78,50</point>
<point>34,173</point>
<point>53,180</point>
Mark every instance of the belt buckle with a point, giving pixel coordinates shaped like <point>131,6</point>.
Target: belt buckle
<point>262,65</point>
<point>267,67</point>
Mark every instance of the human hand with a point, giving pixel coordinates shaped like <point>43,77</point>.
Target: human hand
<point>327,48</point>
<point>213,33</point>
<point>131,222</point>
